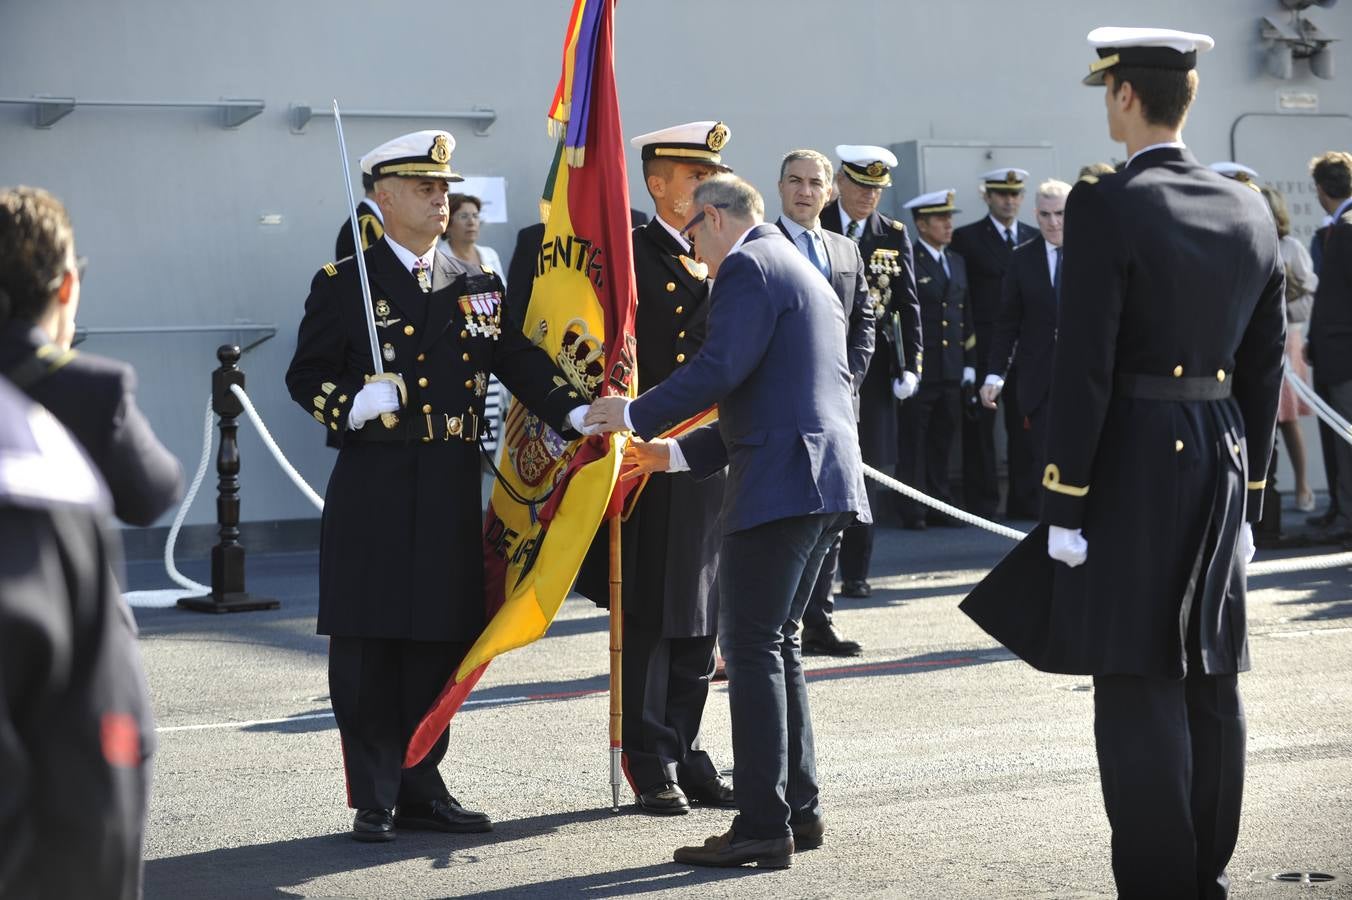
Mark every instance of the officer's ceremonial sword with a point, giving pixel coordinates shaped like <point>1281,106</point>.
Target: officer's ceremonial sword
<point>389,420</point>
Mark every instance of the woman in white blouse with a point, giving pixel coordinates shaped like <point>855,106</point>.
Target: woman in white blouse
<point>462,235</point>
<point>1300,287</point>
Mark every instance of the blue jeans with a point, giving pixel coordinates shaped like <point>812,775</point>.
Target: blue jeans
<point>765,577</point>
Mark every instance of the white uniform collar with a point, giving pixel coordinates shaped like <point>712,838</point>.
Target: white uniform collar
<point>408,257</point>
<point>1175,145</point>
<point>680,238</point>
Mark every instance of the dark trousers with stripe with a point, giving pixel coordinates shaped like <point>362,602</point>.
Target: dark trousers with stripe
<point>380,690</point>
<point>665,683</point>
<point>1171,762</point>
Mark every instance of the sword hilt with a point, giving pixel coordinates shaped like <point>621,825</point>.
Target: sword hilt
<point>391,420</point>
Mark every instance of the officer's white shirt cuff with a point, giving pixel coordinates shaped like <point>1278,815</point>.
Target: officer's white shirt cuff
<point>628,423</point>
<point>994,380</point>
<point>676,462</point>
<point>575,417</point>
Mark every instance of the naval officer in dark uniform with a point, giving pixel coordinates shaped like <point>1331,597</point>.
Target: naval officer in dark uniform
<point>928,420</point>
<point>987,245</point>
<point>1167,373</point>
<point>670,540</point>
<point>895,369</point>
<point>401,591</point>
<point>370,223</point>
<point>804,189</point>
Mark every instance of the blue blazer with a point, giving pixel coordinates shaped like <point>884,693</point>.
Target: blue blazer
<point>775,363</point>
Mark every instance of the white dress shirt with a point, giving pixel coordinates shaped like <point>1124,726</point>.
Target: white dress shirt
<point>1177,145</point>
<point>408,257</point>
<point>1011,233</point>
<point>680,238</point>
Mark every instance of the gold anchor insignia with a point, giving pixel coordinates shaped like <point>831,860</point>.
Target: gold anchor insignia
<point>440,153</point>
<point>875,169</point>
<point>718,137</point>
<point>1011,177</point>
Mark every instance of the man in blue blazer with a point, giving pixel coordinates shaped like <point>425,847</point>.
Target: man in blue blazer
<point>804,188</point>
<point>775,363</point>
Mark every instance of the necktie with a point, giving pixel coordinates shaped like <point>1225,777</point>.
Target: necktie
<point>943,258</point>
<point>810,248</point>
<point>1009,238</point>
<point>852,231</point>
<point>1056,276</point>
<point>422,270</point>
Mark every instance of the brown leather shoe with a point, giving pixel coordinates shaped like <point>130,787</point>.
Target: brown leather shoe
<point>729,850</point>
<point>666,799</point>
<point>717,791</point>
<point>827,640</point>
<point>808,835</point>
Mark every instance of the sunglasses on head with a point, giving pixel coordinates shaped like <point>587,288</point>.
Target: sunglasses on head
<point>699,217</point>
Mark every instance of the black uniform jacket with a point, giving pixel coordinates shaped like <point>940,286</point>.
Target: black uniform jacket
<point>1331,318</point>
<point>670,540</point>
<point>368,221</point>
<point>987,257</point>
<point>1171,293</point>
<point>888,266</point>
<point>851,286</point>
<point>945,316</point>
<point>1025,330</point>
<point>400,551</point>
<point>76,733</point>
<point>95,398</point>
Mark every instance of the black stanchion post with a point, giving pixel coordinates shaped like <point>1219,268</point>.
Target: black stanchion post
<point>227,557</point>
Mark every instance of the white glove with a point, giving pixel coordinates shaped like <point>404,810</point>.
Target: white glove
<point>968,375</point>
<point>1067,545</point>
<point>1246,546</point>
<point>575,416</point>
<point>372,400</point>
<point>905,386</point>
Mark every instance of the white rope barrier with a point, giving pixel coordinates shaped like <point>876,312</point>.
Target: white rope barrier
<point>167,598</point>
<point>961,514</point>
<point>277,454</point>
<point>1340,426</point>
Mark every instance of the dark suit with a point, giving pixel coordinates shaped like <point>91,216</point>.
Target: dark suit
<point>848,281</point>
<point>1331,352</point>
<point>929,418</point>
<point>1024,337</point>
<point>886,250</point>
<point>95,398</point>
<point>368,221</point>
<point>775,364</point>
<point>401,581</point>
<point>987,255</point>
<point>76,733</point>
<point>669,545</point>
<point>1164,402</point>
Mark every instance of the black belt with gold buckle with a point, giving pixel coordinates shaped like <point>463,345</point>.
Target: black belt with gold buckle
<point>1166,387</point>
<point>424,427</point>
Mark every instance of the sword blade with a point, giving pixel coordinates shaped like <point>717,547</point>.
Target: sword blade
<point>376,359</point>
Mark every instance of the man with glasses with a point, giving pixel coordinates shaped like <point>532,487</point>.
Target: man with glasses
<point>1025,329</point>
<point>94,397</point>
<point>670,540</point>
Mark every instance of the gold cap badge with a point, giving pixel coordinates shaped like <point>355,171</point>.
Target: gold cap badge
<point>440,152</point>
<point>718,137</point>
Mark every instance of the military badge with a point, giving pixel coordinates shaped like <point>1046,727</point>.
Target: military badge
<point>440,152</point>
<point>480,384</point>
<point>483,314</point>
<point>876,169</point>
<point>698,270</point>
<point>1011,177</point>
<point>387,351</point>
<point>717,137</point>
<point>382,308</point>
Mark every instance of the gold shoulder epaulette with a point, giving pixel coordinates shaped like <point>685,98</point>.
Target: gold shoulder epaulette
<point>1089,179</point>
<point>899,226</point>
<point>330,269</point>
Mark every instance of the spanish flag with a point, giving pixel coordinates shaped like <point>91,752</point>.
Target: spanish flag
<point>553,494</point>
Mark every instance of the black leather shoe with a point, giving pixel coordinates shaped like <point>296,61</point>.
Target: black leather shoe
<point>808,835</point>
<point>373,825</point>
<point>860,588</point>
<point>717,791</point>
<point>666,799</point>
<point>442,815</point>
<point>828,641</point>
<point>729,850</point>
